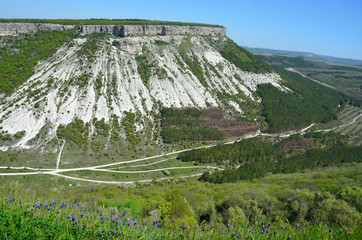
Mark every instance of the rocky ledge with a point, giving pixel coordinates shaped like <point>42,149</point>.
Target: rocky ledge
<point>9,29</point>
<point>140,30</point>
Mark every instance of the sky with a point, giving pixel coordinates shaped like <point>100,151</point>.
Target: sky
<point>326,27</point>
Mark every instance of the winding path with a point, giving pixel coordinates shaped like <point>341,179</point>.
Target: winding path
<point>344,125</point>
<point>60,154</point>
<point>57,171</point>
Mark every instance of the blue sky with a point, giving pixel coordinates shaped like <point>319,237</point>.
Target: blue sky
<point>327,27</point>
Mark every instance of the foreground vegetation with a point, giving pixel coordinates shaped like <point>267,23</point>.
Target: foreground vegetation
<point>320,204</point>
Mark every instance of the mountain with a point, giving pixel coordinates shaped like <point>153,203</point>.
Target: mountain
<point>163,124</point>
<point>307,55</point>
<point>105,91</point>
<point>97,77</point>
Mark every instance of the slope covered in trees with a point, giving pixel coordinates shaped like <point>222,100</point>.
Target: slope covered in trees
<point>19,55</point>
<point>308,103</point>
<point>257,157</point>
<point>240,57</point>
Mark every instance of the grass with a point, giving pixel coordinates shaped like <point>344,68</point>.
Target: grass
<point>8,170</point>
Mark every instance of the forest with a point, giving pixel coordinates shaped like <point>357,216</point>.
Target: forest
<point>312,159</point>
<point>256,157</point>
<point>185,125</point>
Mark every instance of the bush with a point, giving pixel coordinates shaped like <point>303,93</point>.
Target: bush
<point>329,210</point>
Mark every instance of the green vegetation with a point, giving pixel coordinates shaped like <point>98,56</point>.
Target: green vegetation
<point>307,204</point>
<point>309,103</point>
<point>185,125</point>
<point>91,46</point>
<point>19,55</point>
<point>176,134</point>
<point>94,21</point>
<point>349,123</point>
<point>346,79</point>
<point>161,43</point>
<point>239,56</point>
<point>194,67</point>
<point>76,131</point>
<point>144,69</point>
<point>233,154</point>
<point>257,158</point>
<point>187,117</point>
<point>128,123</point>
<point>298,62</point>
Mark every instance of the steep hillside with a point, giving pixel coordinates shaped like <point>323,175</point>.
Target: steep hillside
<point>102,86</point>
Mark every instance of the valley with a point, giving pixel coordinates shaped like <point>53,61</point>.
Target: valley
<point>138,129</point>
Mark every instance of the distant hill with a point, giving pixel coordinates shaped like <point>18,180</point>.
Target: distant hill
<point>307,55</point>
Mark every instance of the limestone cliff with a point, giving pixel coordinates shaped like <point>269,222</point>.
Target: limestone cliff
<point>7,29</point>
<point>140,30</point>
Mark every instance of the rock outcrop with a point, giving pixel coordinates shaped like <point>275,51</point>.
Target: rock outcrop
<point>141,30</point>
<point>10,29</point>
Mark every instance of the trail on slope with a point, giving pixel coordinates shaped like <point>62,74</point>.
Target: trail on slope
<point>60,154</point>
<point>57,171</point>
<point>344,125</point>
